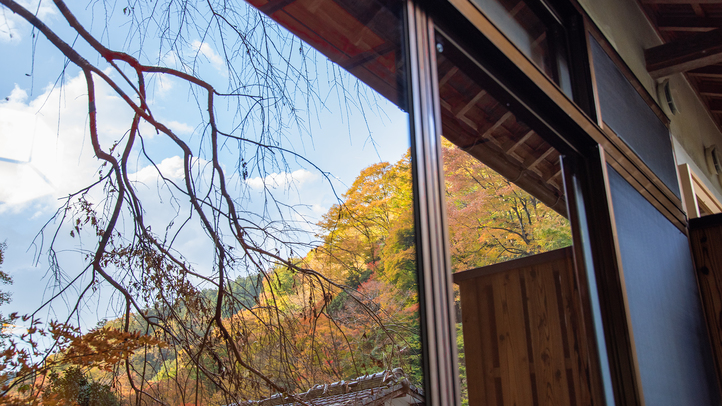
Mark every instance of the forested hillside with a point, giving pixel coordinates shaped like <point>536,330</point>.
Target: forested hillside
<point>301,329</point>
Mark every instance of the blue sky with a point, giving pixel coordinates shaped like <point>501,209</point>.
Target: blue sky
<point>45,152</point>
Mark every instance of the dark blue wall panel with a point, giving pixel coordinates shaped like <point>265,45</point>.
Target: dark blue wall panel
<point>628,115</point>
<point>673,349</point>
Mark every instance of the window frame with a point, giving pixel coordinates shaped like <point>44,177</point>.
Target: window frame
<point>570,123</point>
<point>586,148</point>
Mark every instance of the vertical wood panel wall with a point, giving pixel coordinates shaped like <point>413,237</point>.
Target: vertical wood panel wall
<point>522,332</point>
<point>706,239</point>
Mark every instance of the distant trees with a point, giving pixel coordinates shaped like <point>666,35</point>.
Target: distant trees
<point>5,279</point>
<point>73,387</point>
<point>274,309</point>
<point>238,339</point>
<point>491,219</point>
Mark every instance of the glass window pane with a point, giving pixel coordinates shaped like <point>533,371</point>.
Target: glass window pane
<point>626,113</point>
<point>351,304</point>
<point>663,295</point>
<point>510,248</point>
<point>266,236</point>
<point>535,32</point>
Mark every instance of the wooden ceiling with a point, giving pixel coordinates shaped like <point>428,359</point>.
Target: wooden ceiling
<point>361,36</point>
<point>475,121</point>
<point>364,37</point>
<point>692,31</point>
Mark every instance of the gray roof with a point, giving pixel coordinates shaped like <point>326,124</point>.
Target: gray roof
<point>367,390</point>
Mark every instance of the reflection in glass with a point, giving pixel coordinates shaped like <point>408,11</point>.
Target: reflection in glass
<point>533,28</point>
<point>491,219</point>
<point>509,236</point>
<point>312,247</point>
<point>341,296</point>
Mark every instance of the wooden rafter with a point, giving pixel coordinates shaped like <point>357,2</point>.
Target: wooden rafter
<point>448,76</point>
<point>682,55</point>
<point>273,6</point>
<point>519,143</point>
<point>445,105</point>
<point>547,193</point>
<point>556,179</point>
<point>461,115</point>
<point>499,122</point>
<point>711,89</point>
<point>539,40</point>
<point>715,105</point>
<point>680,23</point>
<point>541,158</point>
<point>364,57</point>
<point>712,71</point>
<point>516,9</point>
<point>697,9</point>
<point>680,1</point>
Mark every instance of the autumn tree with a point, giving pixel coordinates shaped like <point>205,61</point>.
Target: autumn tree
<point>72,386</point>
<point>5,279</point>
<point>374,220</point>
<point>192,326</point>
<point>491,219</point>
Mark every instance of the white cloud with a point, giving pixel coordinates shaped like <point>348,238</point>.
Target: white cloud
<point>161,84</point>
<point>281,180</point>
<point>44,147</point>
<point>9,31</point>
<point>204,49</point>
<point>45,150</point>
<point>180,128</point>
<point>13,329</point>
<point>13,27</point>
<point>171,168</point>
<point>165,84</point>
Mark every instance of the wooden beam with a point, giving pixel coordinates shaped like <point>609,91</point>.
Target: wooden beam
<point>539,40</point>
<point>547,193</point>
<point>710,89</point>
<point>369,55</point>
<point>715,105</point>
<point>448,76</point>
<point>690,2</point>
<point>516,9</point>
<point>556,175</point>
<point>691,24</point>
<point>697,10</point>
<point>460,115</point>
<point>273,6</point>
<point>712,71</point>
<point>689,53</point>
<point>487,134</point>
<point>517,144</point>
<point>541,158</point>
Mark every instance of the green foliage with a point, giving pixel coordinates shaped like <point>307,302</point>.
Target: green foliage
<point>75,388</point>
<point>5,279</point>
<point>363,317</point>
<point>462,365</point>
<point>168,370</point>
<point>491,219</point>
<point>372,231</point>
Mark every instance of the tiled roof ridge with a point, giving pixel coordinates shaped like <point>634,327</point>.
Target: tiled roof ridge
<point>388,382</point>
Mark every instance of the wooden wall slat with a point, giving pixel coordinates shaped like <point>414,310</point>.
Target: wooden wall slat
<point>549,359</point>
<point>706,239</point>
<point>579,394</point>
<point>474,351</point>
<point>512,346</point>
<point>522,336</point>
